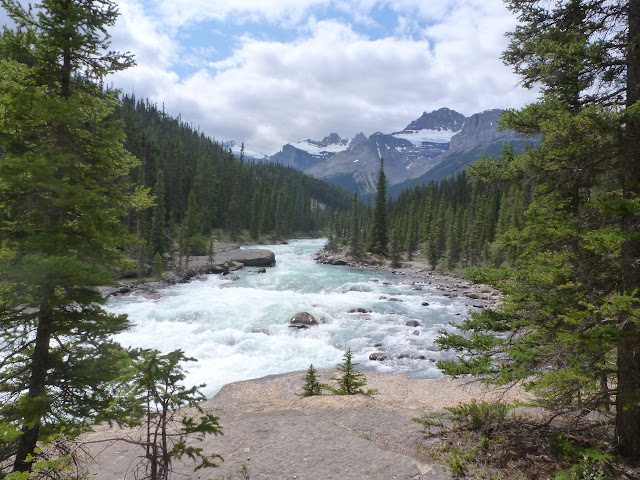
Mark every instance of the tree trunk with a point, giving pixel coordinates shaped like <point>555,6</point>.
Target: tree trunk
<point>628,409</point>
<point>37,387</point>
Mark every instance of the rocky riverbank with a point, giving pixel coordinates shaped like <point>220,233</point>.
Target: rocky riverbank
<point>418,273</point>
<point>228,257</point>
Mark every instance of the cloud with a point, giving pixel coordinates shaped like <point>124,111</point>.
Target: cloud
<point>332,77</point>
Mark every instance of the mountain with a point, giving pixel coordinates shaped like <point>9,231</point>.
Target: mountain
<point>305,154</point>
<point>479,136</point>
<point>354,163</point>
<point>431,147</point>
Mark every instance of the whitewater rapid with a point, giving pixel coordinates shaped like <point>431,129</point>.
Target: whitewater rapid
<point>238,330</point>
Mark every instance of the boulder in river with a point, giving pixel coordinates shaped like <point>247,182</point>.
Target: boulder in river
<point>302,320</point>
<point>252,257</point>
<point>412,323</point>
<point>377,356</point>
<point>359,310</point>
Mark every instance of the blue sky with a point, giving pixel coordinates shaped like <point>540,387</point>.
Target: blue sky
<point>269,72</point>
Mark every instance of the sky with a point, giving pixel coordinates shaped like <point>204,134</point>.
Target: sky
<point>271,72</point>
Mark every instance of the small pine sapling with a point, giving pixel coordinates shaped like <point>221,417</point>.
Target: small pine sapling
<point>157,395</point>
<point>351,381</point>
<point>311,386</point>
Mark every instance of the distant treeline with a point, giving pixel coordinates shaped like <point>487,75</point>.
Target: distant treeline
<point>200,187</point>
<point>455,223</point>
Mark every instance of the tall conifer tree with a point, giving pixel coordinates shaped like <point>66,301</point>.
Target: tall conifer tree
<point>378,237</point>
<point>573,302</point>
<point>63,190</point>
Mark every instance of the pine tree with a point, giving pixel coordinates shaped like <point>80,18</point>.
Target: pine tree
<point>63,190</point>
<point>354,241</point>
<point>311,386</point>
<point>378,237</point>
<point>412,231</point>
<point>395,254</point>
<point>572,299</point>
<point>155,391</point>
<point>160,242</point>
<point>351,381</point>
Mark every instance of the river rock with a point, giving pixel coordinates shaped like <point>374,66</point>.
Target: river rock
<point>359,310</point>
<point>252,257</point>
<point>261,270</point>
<point>394,299</point>
<point>302,320</point>
<point>425,304</point>
<point>377,356</point>
<point>412,323</point>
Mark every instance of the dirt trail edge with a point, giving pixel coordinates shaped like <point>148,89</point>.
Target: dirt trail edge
<point>280,436</point>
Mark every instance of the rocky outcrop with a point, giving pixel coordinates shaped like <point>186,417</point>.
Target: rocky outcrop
<point>341,256</point>
<point>303,320</point>
<point>253,257</point>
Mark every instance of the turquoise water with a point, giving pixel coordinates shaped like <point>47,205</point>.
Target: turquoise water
<point>238,330</point>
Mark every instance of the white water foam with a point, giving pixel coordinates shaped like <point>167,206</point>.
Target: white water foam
<point>239,330</point>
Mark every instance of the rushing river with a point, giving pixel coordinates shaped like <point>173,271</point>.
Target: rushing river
<point>238,330</point>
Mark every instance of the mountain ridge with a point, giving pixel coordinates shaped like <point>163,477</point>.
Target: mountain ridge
<point>442,141</point>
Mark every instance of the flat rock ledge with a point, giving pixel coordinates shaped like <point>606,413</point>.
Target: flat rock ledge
<point>280,435</point>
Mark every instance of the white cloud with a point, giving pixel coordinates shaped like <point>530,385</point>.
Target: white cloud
<point>331,78</point>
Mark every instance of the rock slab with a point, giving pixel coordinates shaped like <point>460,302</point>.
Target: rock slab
<point>252,257</point>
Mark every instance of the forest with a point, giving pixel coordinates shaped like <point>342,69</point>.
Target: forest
<point>200,189</point>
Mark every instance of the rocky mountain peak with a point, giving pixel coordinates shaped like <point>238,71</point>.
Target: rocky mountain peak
<point>442,119</point>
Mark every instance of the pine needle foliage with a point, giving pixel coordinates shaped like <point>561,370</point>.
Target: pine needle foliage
<point>569,330</point>
<point>312,385</point>
<point>351,381</point>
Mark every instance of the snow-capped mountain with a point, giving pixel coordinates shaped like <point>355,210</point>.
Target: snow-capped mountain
<point>439,141</point>
<point>307,153</point>
<point>236,149</point>
<point>407,154</point>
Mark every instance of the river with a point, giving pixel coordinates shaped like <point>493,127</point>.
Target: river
<point>238,330</point>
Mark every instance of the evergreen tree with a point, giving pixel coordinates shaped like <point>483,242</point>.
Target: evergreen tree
<point>355,242</point>
<point>160,242</point>
<point>156,394</point>
<point>63,190</point>
<point>395,250</point>
<point>351,381</point>
<point>378,238</point>
<point>412,231</point>
<point>572,306</point>
<point>311,386</point>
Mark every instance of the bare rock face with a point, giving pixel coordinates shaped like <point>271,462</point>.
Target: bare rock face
<point>253,257</point>
<point>302,320</point>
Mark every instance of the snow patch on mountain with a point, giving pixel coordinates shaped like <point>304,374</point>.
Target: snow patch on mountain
<point>315,149</point>
<point>236,149</point>
<point>417,137</point>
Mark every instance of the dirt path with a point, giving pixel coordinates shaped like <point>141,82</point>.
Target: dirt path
<point>279,435</point>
